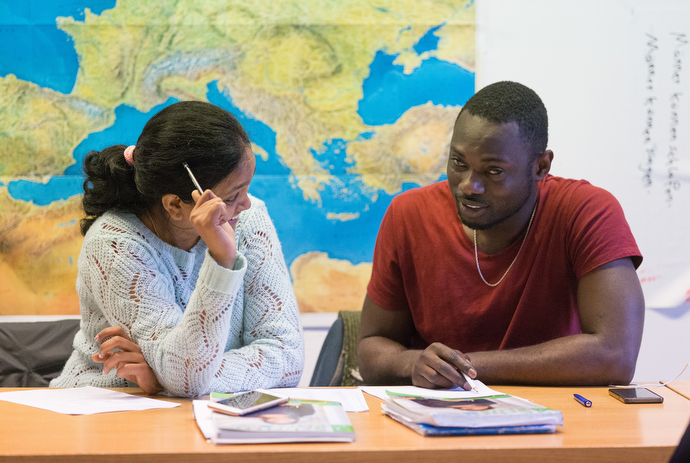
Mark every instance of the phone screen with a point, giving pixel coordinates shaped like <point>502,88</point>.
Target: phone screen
<point>245,400</point>
<point>635,395</point>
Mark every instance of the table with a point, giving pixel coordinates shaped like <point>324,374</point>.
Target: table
<point>610,431</point>
<point>680,387</point>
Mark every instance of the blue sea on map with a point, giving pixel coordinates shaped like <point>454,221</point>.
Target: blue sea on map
<point>33,48</point>
<point>302,225</point>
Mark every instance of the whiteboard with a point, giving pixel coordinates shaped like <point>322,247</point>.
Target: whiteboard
<point>615,78</point>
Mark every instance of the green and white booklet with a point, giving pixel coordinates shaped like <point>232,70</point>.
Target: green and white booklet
<point>499,414</point>
<point>294,421</point>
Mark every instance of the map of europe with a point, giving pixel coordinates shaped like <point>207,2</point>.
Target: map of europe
<point>347,103</point>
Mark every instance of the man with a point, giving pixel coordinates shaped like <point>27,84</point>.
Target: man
<point>504,272</point>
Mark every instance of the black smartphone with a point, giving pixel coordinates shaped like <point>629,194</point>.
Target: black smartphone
<point>633,395</point>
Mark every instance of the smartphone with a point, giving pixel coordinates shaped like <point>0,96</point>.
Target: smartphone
<point>247,402</point>
<point>636,395</point>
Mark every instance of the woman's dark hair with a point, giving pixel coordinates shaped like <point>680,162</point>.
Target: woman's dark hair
<point>208,138</point>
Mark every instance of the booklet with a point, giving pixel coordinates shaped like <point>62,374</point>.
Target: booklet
<point>485,412</point>
<point>429,430</point>
<point>294,421</point>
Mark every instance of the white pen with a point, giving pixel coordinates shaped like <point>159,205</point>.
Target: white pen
<point>470,382</point>
<point>191,175</point>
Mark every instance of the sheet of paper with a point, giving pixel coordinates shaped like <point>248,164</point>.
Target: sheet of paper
<point>83,400</point>
<point>456,393</point>
<point>204,420</point>
<point>352,400</point>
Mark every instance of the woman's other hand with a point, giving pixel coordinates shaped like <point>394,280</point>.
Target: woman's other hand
<point>120,352</point>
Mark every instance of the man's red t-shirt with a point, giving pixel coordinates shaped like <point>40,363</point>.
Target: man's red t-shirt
<point>424,263</point>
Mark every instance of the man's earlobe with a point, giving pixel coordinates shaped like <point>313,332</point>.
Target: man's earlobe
<point>543,162</point>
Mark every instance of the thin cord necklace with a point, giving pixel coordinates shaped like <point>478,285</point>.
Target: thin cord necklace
<point>155,232</point>
<point>476,255</point>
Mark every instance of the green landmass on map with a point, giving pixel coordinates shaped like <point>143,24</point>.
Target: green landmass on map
<point>297,67</point>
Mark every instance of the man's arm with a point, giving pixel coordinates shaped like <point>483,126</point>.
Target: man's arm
<point>611,307</point>
<point>384,357</point>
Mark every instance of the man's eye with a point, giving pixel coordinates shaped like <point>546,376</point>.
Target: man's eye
<point>495,171</point>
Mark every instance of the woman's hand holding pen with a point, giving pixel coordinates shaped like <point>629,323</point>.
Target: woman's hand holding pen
<point>439,366</point>
<point>210,218</point>
<point>127,359</point>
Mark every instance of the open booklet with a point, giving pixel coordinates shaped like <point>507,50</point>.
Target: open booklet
<point>501,414</point>
<point>294,421</point>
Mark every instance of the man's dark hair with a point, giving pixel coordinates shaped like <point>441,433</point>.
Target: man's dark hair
<point>513,102</point>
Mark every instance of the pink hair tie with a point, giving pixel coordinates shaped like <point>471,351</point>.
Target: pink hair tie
<point>129,152</point>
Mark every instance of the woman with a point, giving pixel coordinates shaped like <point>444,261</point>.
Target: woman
<point>182,290</point>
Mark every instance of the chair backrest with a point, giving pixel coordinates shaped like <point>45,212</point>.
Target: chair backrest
<point>337,362</point>
<point>33,353</point>
<point>682,452</point>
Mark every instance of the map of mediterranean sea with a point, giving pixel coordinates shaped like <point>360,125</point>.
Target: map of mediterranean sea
<point>347,103</point>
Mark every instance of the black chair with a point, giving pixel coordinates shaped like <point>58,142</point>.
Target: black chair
<point>337,362</point>
<point>682,452</point>
<point>33,353</point>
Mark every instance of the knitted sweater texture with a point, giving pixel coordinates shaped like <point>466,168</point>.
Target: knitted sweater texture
<point>201,327</point>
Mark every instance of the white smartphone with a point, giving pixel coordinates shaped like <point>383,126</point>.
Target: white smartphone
<point>247,402</point>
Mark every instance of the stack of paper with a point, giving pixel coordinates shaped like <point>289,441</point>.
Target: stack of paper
<point>467,415</point>
<point>294,421</point>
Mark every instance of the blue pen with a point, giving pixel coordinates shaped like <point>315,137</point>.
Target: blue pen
<point>586,402</point>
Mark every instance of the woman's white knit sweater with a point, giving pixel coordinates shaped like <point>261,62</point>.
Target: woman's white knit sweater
<point>201,327</point>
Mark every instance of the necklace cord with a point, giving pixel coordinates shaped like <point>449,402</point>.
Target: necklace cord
<point>476,253</point>
<point>153,224</point>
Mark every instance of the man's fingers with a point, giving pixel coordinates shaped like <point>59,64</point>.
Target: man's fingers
<point>433,371</point>
<point>420,376</point>
<point>460,361</point>
<point>435,378</point>
<point>452,356</point>
<point>449,372</point>
<point>441,366</point>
